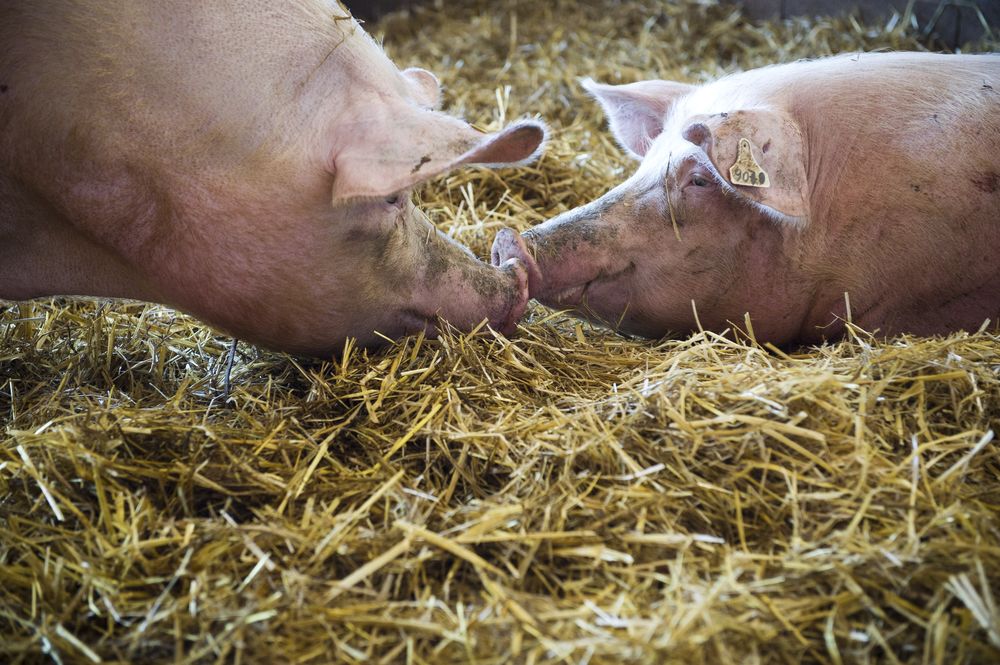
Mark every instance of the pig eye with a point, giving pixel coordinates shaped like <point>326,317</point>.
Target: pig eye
<point>699,180</point>
<point>393,200</point>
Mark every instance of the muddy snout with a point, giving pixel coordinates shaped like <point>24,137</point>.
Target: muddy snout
<point>506,323</point>
<point>509,247</point>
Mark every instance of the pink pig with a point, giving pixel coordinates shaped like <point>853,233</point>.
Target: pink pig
<point>778,190</point>
<point>247,161</point>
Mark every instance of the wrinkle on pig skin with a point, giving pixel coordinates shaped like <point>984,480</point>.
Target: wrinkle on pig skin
<point>573,240</point>
<point>988,183</point>
<point>582,226</point>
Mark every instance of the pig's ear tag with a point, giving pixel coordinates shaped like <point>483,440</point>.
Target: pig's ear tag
<point>746,171</point>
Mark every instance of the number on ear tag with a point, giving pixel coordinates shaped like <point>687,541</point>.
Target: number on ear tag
<point>746,171</point>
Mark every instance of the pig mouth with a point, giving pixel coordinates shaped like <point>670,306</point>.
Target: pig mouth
<point>507,324</point>
<point>413,321</point>
<point>578,295</point>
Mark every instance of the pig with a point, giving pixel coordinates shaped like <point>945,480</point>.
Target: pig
<point>776,191</point>
<point>247,161</point>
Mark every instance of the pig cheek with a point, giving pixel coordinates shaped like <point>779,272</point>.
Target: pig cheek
<point>382,248</point>
<point>670,273</point>
<point>613,304</point>
<point>416,265</point>
<point>628,245</point>
<point>371,257</point>
<point>709,265</point>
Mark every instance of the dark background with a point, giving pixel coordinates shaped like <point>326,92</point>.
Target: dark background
<point>952,22</point>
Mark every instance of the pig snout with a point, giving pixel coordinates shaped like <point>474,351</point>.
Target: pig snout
<point>507,323</point>
<point>509,248</point>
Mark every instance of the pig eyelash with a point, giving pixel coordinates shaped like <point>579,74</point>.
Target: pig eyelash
<point>395,204</point>
<point>395,200</point>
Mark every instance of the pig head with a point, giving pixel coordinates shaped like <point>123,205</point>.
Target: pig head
<point>777,191</point>
<point>249,162</point>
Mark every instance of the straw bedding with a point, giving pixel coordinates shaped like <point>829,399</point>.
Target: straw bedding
<point>568,495</point>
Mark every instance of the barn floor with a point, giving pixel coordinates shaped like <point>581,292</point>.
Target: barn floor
<point>565,496</point>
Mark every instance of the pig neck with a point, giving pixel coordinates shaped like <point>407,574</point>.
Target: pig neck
<point>42,255</point>
<point>817,254</point>
<point>809,264</point>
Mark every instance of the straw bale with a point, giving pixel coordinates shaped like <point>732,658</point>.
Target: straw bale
<point>568,495</point>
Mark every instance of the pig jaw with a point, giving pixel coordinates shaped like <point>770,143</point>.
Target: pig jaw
<point>321,329</point>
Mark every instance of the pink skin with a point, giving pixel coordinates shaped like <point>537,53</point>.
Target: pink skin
<point>899,210</point>
<point>249,166</point>
<point>628,271</point>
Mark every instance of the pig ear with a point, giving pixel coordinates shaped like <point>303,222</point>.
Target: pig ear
<point>636,111</point>
<point>399,145</point>
<point>424,87</point>
<point>761,153</point>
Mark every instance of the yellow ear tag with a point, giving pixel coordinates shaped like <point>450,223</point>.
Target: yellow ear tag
<point>746,170</point>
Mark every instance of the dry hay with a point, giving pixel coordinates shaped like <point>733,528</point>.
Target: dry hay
<point>565,496</point>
